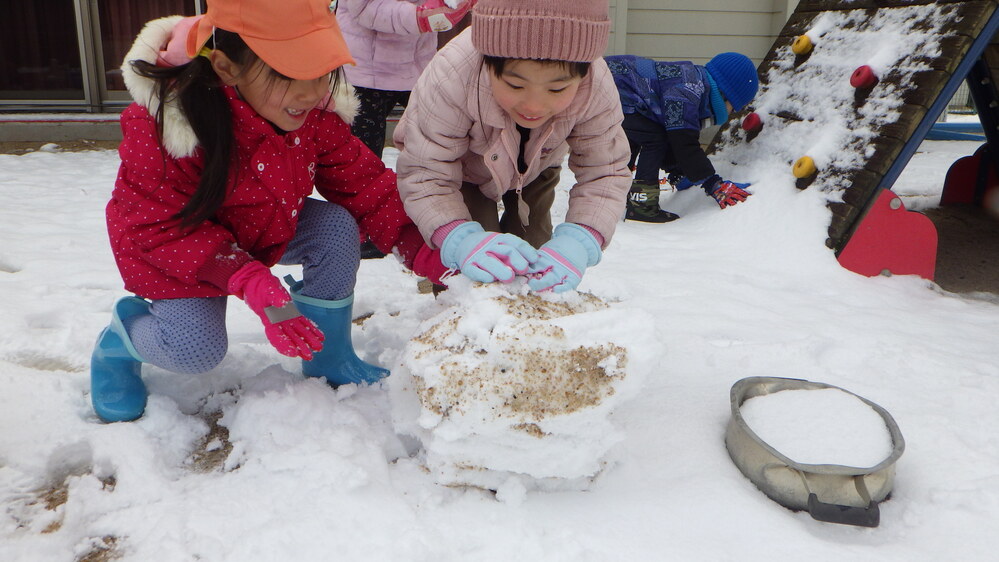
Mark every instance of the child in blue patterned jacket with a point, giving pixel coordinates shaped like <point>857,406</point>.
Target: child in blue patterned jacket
<point>665,106</point>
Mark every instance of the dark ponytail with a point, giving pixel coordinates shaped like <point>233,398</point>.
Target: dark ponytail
<point>198,89</point>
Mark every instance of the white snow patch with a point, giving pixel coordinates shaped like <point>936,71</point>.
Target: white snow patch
<point>819,426</point>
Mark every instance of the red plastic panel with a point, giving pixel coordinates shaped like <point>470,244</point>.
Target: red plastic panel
<point>890,239</point>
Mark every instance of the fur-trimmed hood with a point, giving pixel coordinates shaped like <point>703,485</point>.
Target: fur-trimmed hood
<point>178,136</point>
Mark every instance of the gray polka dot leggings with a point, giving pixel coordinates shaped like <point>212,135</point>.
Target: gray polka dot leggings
<point>189,336</point>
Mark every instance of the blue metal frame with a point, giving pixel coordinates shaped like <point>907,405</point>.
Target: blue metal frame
<point>984,95</point>
<point>957,131</point>
<point>970,59</point>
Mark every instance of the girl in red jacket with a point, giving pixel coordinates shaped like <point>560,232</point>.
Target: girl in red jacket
<point>233,128</point>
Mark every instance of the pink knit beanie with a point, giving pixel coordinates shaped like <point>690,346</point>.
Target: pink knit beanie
<point>564,30</point>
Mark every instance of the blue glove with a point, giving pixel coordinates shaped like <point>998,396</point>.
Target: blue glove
<point>725,192</point>
<point>563,259</point>
<point>680,182</point>
<point>486,256</point>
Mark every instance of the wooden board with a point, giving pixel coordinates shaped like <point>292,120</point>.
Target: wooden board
<point>917,79</point>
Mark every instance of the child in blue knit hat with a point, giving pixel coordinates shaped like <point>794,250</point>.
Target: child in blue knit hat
<point>665,106</point>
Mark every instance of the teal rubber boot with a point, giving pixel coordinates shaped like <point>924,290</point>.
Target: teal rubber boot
<point>116,388</point>
<point>337,362</point>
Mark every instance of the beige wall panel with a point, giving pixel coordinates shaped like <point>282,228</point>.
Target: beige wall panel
<point>696,48</point>
<point>766,6</point>
<point>699,23</point>
<point>695,29</point>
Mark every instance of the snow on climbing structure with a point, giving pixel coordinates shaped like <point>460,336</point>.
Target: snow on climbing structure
<point>842,92</point>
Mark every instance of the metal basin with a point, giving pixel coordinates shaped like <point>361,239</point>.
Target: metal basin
<point>829,492</point>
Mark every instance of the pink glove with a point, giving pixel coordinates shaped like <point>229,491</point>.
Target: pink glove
<point>175,51</point>
<point>436,15</point>
<point>427,263</point>
<point>288,331</point>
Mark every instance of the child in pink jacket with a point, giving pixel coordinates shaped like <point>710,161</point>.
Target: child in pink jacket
<point>491,119</point>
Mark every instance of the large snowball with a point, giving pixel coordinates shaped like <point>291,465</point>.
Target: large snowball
<point>508,385</point>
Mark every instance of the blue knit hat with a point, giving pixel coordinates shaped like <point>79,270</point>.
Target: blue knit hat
<point>736,77</point>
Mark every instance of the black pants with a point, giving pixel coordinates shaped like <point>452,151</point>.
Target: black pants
<point>369,125</point>
<point>649,147</point>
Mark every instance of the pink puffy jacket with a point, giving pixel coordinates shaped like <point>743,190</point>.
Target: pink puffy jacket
<point>454,131</point>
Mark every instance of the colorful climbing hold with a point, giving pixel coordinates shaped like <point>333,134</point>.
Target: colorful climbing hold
<point>804,167</point>
<point>802,45</point>
<point>752,123</point>
<point>863,78</point>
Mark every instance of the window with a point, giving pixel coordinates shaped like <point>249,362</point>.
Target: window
<point>41,50</point>
<point>121,21</point>
<point>67,54</point>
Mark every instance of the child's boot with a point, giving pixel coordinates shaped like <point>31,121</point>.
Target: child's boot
<point>116,388</point>
<point>337,362</point>
<point>643,204</point>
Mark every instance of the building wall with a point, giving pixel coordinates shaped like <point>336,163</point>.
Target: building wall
<point>692,30</point>
<point>696,30</point>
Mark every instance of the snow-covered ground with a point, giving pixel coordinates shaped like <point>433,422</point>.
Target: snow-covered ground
<point>253,462</point>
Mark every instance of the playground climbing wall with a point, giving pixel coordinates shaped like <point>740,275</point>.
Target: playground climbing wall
<point>847,91</point>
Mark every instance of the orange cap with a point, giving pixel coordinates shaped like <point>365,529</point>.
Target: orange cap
<point>298,38</point>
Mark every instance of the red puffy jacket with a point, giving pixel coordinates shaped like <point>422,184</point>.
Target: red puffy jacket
<point>273,175</point>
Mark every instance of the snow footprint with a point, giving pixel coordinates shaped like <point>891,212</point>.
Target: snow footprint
<point>41,361</point>
<point>213,449</point>
<point>41,508</point>
<point>8,267</point>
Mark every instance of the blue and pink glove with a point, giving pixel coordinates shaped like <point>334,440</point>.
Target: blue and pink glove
<point>288,331</point>
<point>486,256</point>
<point>437,15</point>
<point>725,192</point>
<point>563,259</point>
